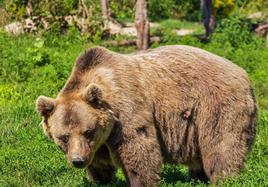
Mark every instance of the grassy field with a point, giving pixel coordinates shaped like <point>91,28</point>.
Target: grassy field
<point>39,65</point>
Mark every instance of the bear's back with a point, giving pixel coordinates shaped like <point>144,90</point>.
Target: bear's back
<point>178,68</point>
<point>189,59</point>
<point>190,67</point>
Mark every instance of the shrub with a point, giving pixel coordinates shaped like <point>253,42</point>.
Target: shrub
<point>234,30</point>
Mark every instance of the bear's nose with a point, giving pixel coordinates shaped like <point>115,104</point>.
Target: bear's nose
<point>78,162</point>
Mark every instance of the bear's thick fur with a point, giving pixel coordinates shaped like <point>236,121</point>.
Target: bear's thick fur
<point>175,104</point>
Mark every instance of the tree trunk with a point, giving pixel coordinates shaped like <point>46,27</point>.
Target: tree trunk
<point>209,17</point>
<point>267,36</point>
<point>105,9</point>
<point>110,24</point>
<point>83,9</point>
<point>29,8</point>
<point>142,25</point>
<point>82,22</point>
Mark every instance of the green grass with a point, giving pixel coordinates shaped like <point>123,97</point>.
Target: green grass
<point>39,65</point>
<point>170,26</point>
<point>178,24</point>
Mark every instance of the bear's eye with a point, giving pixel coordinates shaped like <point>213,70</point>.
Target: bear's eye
<point>64,138</point>
<point>89,134</point>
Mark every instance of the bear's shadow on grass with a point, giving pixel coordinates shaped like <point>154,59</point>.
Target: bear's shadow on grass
<point>170,175</point>
<point>116,183</point>
<point>177,175</point>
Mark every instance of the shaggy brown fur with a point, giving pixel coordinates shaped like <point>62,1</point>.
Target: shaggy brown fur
<point>176,104</point>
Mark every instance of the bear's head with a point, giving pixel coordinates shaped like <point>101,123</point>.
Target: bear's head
<point>78,123</point>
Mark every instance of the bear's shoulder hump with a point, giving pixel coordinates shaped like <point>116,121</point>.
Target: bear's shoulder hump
<point>92,57</point>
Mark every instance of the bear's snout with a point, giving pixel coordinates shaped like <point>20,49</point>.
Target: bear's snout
<point>78,162</point>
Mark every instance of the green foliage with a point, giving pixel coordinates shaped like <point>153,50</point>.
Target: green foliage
<point>123,9</point>
<point>157,9</point>
<point>235,30</point>
<point>53,14</point>
<point>41,8</point>
<point>251,6</point>
<point>224,7</point>
<point>162,9</point>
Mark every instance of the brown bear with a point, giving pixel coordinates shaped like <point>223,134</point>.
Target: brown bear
<point>175,104</point>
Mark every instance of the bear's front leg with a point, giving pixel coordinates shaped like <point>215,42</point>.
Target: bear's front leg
<point>102,174</point>
<point>101,169</point>
<point>141,161</point>
<point>139,152</point>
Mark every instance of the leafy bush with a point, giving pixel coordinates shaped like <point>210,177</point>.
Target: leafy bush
<point>235,30</point>
<point>17,8</point>
<point>123,9</point>
<point>224,7</point>
<point>173,9</point>
<point>252,6</point>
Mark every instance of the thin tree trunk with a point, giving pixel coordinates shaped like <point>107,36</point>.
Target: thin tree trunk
<point>29,8</point>
<point>209,17</point>
<point>109,23</point>
<point>83,21</point>
<point>105,9</point>
<point>83,9</point>
<point>142,25</point>
<point>267,36</point>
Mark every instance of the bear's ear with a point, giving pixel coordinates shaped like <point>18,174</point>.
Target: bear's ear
<point>93,94</point>
<point>44,105</point>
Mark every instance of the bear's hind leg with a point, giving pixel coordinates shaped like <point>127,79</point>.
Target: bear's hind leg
<point>196,170</point>
<point>227,157</point>
<point>218,165</point>
<point>225,143</point>
<point>199,174</point>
